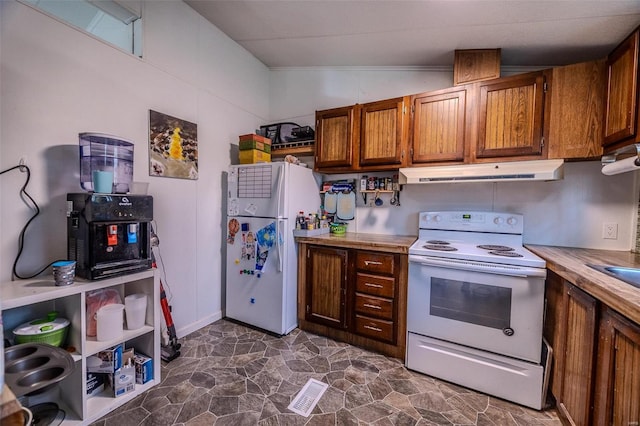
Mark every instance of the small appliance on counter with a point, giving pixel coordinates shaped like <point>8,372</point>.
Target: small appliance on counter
<point>109,234</point>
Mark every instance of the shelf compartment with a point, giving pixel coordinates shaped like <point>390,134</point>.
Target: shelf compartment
<point>93,346</point>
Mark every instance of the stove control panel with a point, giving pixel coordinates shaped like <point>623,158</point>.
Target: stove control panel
<point>510,223</point>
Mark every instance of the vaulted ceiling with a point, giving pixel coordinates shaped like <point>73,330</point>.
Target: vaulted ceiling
<point>398,33</point>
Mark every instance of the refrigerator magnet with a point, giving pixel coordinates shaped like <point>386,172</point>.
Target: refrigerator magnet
<point>251,209</point>
<point>234,227</point>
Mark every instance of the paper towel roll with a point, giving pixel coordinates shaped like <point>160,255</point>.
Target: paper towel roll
<point>621,166</point>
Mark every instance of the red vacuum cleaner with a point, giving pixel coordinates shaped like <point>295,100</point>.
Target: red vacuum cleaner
<point>170,351</point>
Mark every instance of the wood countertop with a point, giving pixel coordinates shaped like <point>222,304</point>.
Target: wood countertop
<point>571,264</point>
<point>358,240</point>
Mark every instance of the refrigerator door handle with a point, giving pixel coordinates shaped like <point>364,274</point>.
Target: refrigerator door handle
<point>279,229</point>
<point>279,184</point>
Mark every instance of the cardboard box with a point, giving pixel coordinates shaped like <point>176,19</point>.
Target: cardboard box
<point>123,381</point>
<point>255,145</point>
<point>106,361</point>
<point>144,368</point>
<point>95,383</point>
<point>257,138</point>
<point>255,142</point>
<point>251,156</point>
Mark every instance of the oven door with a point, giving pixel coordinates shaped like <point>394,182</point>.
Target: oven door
<point>497,308</point>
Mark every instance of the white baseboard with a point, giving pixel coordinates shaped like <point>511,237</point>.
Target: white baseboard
<point>183,331</point>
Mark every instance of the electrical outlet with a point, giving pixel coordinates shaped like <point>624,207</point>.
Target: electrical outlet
<point>610,231</point>
<point>23,162</point>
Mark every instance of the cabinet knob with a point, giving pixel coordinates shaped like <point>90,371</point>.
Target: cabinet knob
<point>372,262</point>
<point>369,305</point>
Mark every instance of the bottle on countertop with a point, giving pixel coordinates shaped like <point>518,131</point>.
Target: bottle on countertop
<point>300,220</point>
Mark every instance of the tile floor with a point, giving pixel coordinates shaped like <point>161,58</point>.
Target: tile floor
<point>229,374</point>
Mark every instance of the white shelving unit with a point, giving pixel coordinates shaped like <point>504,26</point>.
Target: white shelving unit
<point>26,300</point>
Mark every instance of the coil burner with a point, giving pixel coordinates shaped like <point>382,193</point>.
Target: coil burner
<point>493,247</point>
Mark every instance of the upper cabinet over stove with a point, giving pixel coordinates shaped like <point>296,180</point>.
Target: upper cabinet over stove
<point>621,113</point>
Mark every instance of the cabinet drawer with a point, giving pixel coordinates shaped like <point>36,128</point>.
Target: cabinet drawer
<point>382,263</point>
<point>374,328</point>
<point>378,286</point>
<point>374,306</point>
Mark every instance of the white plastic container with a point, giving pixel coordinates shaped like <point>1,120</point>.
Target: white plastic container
<point>100,152</point>
<point>135,306</point>
<point>109,319</point>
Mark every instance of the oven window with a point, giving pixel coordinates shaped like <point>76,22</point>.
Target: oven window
<point>479,304</point>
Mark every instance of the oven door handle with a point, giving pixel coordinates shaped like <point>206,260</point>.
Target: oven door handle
<point>470,265</point>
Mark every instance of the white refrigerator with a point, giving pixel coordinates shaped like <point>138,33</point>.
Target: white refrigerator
<point>263,202</point>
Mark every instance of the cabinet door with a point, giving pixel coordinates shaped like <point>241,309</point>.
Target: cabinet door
<point>383,133</point>
<point>618,385</point>
<point>576,109</point>
<point>438,126</point>
<point>511,116</point>
<point>576,400</point>
<point>555,329</point>
<point>326,286</point>
<point>335,134</point>
<point>621,111</point>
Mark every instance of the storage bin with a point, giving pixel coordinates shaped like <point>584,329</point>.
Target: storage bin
<point>253,141</point>
<point>135,306</point>
<point>109,320</point>
<point>251,156</point>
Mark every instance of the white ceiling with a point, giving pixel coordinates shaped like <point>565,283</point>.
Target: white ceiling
<point>398,33</point>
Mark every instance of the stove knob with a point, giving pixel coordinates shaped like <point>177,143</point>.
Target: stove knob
<point>498,220</point>
<point>426,218</point>
<point>512,221</point>
<point>437,218</point>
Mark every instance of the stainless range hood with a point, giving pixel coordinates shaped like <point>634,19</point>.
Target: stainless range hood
<point>486,172</point>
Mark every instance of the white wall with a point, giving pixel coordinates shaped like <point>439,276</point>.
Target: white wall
<point>56,82</point>
<point>569,212</point>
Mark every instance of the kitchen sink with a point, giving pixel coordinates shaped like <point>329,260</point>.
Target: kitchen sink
<point>628,275</point>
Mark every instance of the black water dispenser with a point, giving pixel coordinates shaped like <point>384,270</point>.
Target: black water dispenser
<point>109,234</point>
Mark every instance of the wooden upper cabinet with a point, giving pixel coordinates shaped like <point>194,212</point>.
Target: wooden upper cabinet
<point>621,112</point>
<point>383,133</point>
<point>576,110</point>
<point>336,137</point>
<point>511,116</point>
<point>473,65</point>
<point>438,126</point>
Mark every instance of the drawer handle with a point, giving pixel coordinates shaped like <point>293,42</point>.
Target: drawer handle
<point>373,328</point>
<point>373,285</point>
<point>369,305</point>
<point>372,262</point>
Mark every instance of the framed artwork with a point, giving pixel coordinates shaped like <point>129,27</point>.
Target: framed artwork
<point>173,147</point>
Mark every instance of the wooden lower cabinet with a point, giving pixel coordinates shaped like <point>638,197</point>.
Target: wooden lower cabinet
<point>573,339</point>
<point>355,296</point>
<point>326,286</point>
<point>595,376</point>
<point>618,378</point>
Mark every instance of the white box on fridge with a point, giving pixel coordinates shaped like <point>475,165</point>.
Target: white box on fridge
<point>262,203</point>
